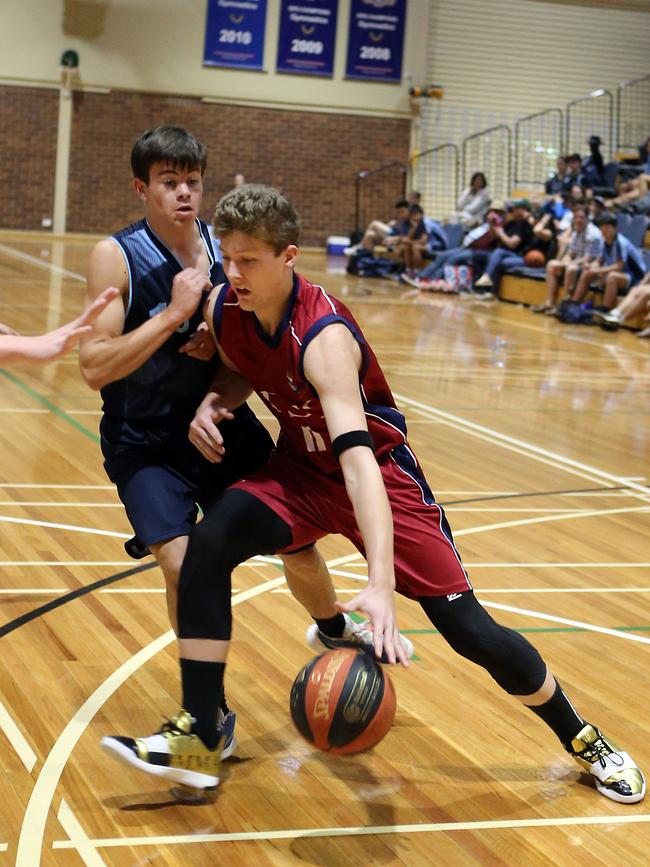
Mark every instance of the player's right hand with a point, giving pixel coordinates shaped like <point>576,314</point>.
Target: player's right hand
<point>188,288</point>
<point>204,433</point>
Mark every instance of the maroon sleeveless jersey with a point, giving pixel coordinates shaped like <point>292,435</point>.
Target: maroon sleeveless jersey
<point>274,367</point>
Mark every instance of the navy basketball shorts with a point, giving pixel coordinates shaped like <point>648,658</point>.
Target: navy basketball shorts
<point>162,479</point>
<point>314,504</point>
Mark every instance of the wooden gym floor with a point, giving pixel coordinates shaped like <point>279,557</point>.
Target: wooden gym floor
<point>535,437</point>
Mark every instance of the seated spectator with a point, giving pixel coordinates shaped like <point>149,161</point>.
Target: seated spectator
<point>584,247</point>
<point>414,198</point>
<point>421,233</point>
<point>555,184</point>
<point>596,208</point>
<point>593,168</point>
<point>633,194</point>
<point>635,302</point>
<point>573,175</point>
<point>473,203</point>
<point>477,244</point>
<point>379,232</point>
<point>238,180</point>
<point>513,240</point>
<point>619,266</point>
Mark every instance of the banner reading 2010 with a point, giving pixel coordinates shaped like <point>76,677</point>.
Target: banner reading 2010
<point>376,39</point>
<point>307,37</point>
<point>234,34</point>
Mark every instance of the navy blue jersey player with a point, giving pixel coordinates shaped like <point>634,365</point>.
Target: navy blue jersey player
<point>153,361</point>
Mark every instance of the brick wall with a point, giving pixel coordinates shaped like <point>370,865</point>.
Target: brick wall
<point>28,123</point>
<point>312,157</point>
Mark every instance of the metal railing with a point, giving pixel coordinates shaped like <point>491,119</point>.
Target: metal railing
<point>490,152</point>
<point>587,116</point>
<point>539,140</point>
<point>436,174</point>
<point>376,191</point>
<point>632,113</point>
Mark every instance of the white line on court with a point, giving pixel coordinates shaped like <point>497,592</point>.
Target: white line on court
<point>520,446</point>
<point>65,487</point>
<point>482,590</point>
<point>40,263</point>
<point>30,842</point>
<point>293,834</point>
<point>4,847</point>
<point>78,837</point>
<point>55,563</point>
<point>66,505</point>
<point>72,527</point>
<point>537,615</point>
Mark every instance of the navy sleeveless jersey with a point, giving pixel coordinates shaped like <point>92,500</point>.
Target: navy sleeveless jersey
<point>169,381</point>
<point>274,367</point>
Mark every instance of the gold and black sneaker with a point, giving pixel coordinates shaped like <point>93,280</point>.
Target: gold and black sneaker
<point>617,777</point>
<point>173,753</point>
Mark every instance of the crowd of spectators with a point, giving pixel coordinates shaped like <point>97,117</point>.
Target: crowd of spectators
<point>574,236</point>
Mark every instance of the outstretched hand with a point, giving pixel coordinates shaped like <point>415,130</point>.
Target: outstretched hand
<point>379,605</point>
<point>204,433</point>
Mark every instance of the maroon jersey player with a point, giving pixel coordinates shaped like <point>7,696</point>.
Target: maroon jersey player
<point>343,465</point>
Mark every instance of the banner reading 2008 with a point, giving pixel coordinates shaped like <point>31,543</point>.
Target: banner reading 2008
<point>307,36</point>
<point>234,34</point>
<point>376,40</point>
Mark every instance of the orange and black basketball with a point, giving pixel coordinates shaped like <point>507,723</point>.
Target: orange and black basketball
<point>343,701</point>
<point>534,259</point>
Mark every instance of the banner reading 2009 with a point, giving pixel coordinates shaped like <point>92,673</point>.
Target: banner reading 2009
<point>376,40</point>
<point>234,34</point>
<point>307,36</point>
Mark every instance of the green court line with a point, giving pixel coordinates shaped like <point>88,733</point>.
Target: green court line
<point>48,404</point>
<point>539,629</point>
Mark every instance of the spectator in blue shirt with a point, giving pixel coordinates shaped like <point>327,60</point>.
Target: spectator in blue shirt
<point>423,235</point>
<point>619,266</point>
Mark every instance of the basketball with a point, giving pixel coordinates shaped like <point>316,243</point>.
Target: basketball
<point>534,259</point>
<point>343,701</point>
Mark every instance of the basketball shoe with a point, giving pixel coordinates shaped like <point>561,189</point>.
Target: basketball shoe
<point>174,753</point>
<point>617,777</point>
<point>355,635</point>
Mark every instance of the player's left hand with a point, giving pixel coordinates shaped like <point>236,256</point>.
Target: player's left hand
<point>379,605</point>
<point>201,344</point>
<point>204,433</point>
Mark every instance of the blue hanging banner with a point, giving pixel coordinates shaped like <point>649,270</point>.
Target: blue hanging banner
<point>234,33</point>
<point>376,39</point>
<point>307,37</point>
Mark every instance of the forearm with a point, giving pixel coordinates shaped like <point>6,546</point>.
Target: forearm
<point>111,358</point>
<point>365,488</point>
<point>15,348</point>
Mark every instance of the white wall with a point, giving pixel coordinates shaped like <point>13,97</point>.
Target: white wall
<point>158,47</point>
<point>500,59</point>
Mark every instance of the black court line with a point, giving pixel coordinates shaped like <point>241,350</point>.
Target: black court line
<point>68,597</point>
<point>533,494</point>
<point>111,579</point>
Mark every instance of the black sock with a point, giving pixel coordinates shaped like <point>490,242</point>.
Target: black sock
<point>559,714</point>
<point>332,626</point>
<point>202,688</point>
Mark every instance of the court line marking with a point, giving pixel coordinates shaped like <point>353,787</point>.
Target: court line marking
<point>538,615</point>
<point>40,263</point>
<point>520,446</point>
<point>4,847</point>
<point>496,590</point>
<point>30,841</point>
<point>54,563</point>
<point>65,487</point>
<point>78,837</point>
<point>432,827</point>
<point>68,505</point>
<point>74,528</point>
